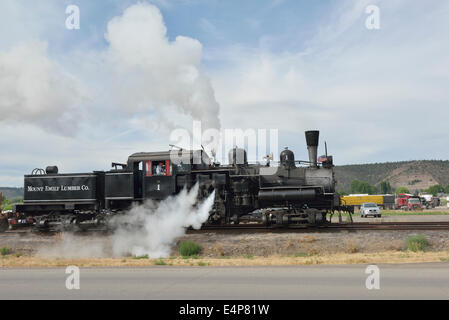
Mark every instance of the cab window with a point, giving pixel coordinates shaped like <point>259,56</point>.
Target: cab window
<point>158,168</point>
<point>148,169</point>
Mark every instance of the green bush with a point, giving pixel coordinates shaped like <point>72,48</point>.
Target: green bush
<point>303,254</point>
<point>160,262</point>
<point>145,256</point>
<point>4,251</point>
<point>362,187</point>
<point>417,243</point>
<point>402,190</point>
<point>189,248</point>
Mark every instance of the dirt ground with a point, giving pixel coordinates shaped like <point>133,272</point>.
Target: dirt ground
<point>234,244</point>
<point>249,247</point>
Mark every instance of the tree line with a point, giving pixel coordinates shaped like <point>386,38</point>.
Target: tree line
<point>8,203</point>
<point>362,187</point>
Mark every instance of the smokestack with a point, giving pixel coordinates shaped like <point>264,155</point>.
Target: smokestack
<point>312,146</point>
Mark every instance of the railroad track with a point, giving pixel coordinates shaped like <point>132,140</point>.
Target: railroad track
<point>254,227</point>
<point>444,225</point>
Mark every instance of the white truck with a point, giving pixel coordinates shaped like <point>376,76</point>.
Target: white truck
<point>429,203</point>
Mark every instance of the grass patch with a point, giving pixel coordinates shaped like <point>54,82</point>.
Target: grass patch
<point>189,248</point>
<point>417,243</point>
<point>5,251</point>
<point>27,261</point>
<point>303,254</point>
<point>145,256</point>
<point>160,262</point>
<point>18,254</point>
<point>249,256</point>
<point>390,213</point>
<point>413,213</point>
<point>202,264</point>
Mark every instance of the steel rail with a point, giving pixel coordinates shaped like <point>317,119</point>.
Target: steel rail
<point>248,227</point>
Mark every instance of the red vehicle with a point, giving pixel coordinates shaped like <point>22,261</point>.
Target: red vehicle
<point>407,201</point>
<point>414,203</point>
<point>402,200</point>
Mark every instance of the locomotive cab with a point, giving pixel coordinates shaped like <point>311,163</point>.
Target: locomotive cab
<point>165,173</point>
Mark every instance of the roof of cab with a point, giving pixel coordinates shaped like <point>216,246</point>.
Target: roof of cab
<point>164,155</point>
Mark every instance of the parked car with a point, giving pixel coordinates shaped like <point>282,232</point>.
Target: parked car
<point>369,209</point>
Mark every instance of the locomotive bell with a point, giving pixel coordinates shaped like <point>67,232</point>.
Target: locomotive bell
<point>312,146</point>
<point>287,158</point>
<point>237,156</point>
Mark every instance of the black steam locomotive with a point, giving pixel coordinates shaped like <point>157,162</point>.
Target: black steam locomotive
<point>292,193</point>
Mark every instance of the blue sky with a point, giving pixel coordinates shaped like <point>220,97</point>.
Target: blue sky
<point>278,24</point>
<point>83,98</point>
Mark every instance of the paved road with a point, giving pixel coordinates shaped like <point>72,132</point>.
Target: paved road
<point>411,281</point>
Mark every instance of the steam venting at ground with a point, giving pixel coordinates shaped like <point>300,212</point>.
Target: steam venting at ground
<point>69,246</point>
<point>139,74</point>
<point>150,229</point>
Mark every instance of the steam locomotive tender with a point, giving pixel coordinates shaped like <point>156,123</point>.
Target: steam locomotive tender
<point>293,193</point>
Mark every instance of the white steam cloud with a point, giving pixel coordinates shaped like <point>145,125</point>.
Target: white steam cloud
<point>72,246</point>
<point>152,228</point>
<point>156,72</point>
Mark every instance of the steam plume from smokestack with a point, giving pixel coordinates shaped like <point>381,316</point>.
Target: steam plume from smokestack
<point>157,72</point>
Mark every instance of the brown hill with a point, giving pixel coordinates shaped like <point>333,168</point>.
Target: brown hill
<point>11,193</point>
<point>414,175</point>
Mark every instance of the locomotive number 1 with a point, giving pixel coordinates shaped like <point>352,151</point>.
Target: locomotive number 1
<point>158,187</point>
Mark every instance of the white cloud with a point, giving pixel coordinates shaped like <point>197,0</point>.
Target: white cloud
<point>35,89</point>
